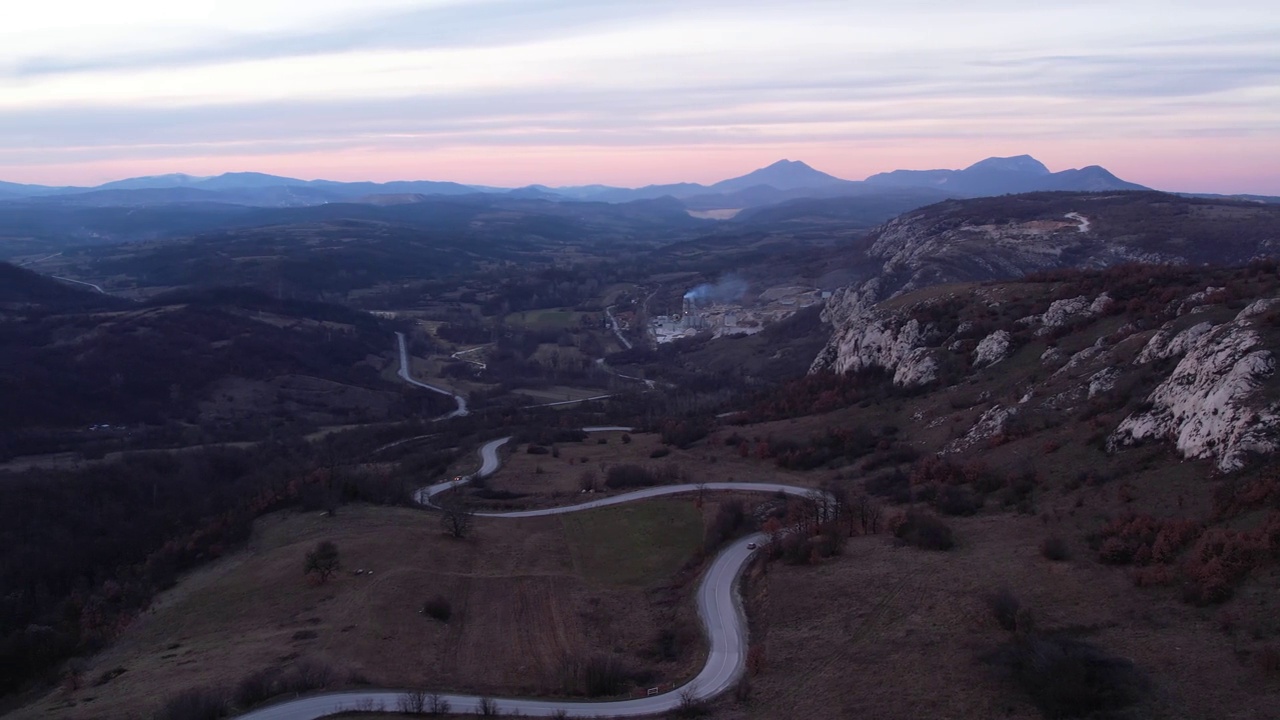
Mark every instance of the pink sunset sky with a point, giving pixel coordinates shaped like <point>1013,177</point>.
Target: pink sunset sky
<point>1174,95</point>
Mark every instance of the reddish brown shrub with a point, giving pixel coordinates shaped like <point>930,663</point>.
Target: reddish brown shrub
<point>1268,661</point>
<point>1221,559</point>
<point>1154,576</point>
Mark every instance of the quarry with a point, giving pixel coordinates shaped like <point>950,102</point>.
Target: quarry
<point>728,309</point>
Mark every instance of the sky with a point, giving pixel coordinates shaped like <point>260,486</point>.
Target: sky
<point>1171,94</point>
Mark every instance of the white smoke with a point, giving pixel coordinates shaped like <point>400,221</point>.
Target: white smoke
<point>729,288</point>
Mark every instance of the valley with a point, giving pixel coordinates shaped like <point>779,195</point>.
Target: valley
<point>903,454</point>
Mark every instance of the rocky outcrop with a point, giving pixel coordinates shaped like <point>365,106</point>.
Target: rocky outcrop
<point>992,349</point>
<point>1165,344</point>
<point>991,423</point>
<point>1062,313</point>
<point>894,343</point>
<point>1103,381</point>
<point>1006,238</point>
<point>1210,406</point>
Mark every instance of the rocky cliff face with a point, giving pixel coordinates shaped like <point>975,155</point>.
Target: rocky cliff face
<point>1188,369</point>
<point>1006,238</point>
<point>1210,406</point>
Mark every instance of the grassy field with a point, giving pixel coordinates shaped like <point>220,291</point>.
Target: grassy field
<point>546,480</point>
<point>892,632</point>
<point>558,393</point>
<point>521,608</point>
<point>544,319</point>
<point>633,545</point>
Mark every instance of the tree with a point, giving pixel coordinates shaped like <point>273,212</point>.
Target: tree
<point>457,522</point>
<point>323,560</point>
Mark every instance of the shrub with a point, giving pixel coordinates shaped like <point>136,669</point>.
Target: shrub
<point>307,676</point>
<point>660,453</point>
<point>194,704</point>
<point>1054,548</point>
<point>1004,607</point>
<point>439,608</point>
<point>256,688</point>
<point>322,561</point>
<point>538,450</point>
<point>923,531</point>
<point>1069,678</point>
<point>892,484</point>
<point>629,476</point>
<point>956,500</point>
<point>1268,661</point>
<point>603,675</point>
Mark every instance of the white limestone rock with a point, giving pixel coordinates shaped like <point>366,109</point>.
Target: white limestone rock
<point>991,423</point>
<point>1062,312</point>
<point>1103,381</point>
<point>1258,307</point>
<point>1195,301</point>
<point>1052,356</point>
<point>1084,356</point>
<point>886,341</point>
<point>992,349</point>
<point>1208,406</point>
<point>1165,344</point>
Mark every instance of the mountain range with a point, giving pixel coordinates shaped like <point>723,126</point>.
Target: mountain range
<point>782,181</point>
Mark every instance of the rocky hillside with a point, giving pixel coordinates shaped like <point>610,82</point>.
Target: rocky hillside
<point>1175,355</point>
<point>1008,237</point>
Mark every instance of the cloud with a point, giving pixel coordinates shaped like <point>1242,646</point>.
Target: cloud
<point>509,74</point>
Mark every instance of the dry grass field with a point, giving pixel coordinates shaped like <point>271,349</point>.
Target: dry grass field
<point>526,596</point>
<point>893,632</point>
<point>547,480</point>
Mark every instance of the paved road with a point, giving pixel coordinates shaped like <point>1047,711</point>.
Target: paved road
<point>719,607</point>
<point>79,282</point>
<point>566,402</point>
<point>403,372</point>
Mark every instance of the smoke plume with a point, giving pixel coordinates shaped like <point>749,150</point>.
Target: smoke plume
<point>727,289</point>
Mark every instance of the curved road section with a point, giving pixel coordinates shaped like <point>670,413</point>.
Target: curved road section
<point>719,607</point>
<point>405,376</point>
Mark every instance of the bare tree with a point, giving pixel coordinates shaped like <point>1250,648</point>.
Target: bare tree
<point>457,522</point>
<point>437,705</point>
<point>820,503</point>
<point>487,707</point>
<point>323,560</point>
<point>690,705</point>
<point>413,702</point>
<point>869,513</point>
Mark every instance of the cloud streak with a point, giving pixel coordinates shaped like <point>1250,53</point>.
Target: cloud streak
<point>503,75</point>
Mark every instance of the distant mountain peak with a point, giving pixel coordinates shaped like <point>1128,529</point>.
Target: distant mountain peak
<point>781,175</point>
<point>1017,163</point>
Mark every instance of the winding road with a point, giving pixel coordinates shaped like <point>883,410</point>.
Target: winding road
<point>80,282</point>
<point>1084,221</point>
<point>403,372</point>
<point>719,608</point>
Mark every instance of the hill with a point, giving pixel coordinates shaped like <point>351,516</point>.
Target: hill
<point>778,182</point>
<point>1004,176</point>
<point>1004,238</point>
<point>23,291</point>
<point>187,368</point>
